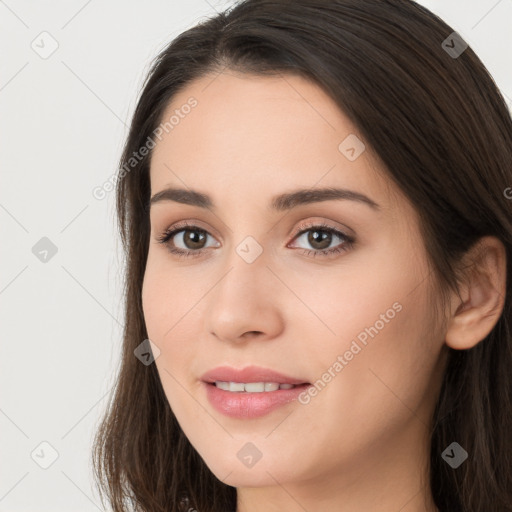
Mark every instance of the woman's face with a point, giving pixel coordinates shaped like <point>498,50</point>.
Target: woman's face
<point>260,289</point>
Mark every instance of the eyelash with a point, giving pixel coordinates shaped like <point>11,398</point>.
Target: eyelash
<point>344,246</point>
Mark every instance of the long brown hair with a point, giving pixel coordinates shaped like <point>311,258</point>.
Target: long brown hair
<point>443,133</point>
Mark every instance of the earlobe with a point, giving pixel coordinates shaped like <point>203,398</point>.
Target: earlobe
<point>483,295</point>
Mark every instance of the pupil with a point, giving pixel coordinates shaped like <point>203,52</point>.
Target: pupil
<point>325,240</point>
<point>190,237</point>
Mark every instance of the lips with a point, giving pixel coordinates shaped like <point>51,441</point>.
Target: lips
<point>249,374</point>
<point>238,393</point>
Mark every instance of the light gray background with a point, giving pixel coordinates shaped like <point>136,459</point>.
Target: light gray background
<point>63,121</point>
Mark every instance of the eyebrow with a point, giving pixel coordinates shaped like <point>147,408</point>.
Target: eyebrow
<point>281,202</point>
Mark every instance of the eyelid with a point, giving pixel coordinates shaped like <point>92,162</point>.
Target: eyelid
<point>190,223</point>
<point>320,222</point>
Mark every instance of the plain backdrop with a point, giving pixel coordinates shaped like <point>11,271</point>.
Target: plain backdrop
<point>71,72</point>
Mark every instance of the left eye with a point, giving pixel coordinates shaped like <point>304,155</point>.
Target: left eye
<point>320,237</point>
<point>192,235</point>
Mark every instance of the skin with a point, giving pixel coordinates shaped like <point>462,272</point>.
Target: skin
<point>363,442</point>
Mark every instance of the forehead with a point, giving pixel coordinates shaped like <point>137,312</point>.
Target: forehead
<point>260,136</point>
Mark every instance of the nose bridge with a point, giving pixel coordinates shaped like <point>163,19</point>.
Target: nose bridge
<point>240,301</point>
<point>246,275</point>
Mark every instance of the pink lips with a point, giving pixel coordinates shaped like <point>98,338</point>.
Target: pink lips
<point>248,374</point>
<point>249,405</point>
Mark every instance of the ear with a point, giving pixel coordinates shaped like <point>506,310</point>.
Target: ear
<point>483,294</point>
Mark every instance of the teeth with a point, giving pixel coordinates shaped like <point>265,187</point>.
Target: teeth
<point>252,387</point>
<point>222,385</point>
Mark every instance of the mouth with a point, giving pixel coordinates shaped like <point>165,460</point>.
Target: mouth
<point>252,379</point>
<point>250,392</point>
<point>254,387</point>
<point>250,400</point>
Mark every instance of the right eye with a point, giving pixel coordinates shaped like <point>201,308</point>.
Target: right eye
<point>191,237</point>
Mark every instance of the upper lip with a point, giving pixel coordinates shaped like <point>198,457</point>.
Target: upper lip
<point>248,374</point>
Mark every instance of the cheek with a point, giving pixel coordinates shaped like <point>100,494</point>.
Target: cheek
<point>366,401</point>
<point>388,356</point>
<point>381,351</point>
<point>168,307</point>
<point>172,309</point>
<point>165,297</point>
<point>153,302</point>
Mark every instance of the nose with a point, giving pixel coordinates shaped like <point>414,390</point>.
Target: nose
<point>246,303</point>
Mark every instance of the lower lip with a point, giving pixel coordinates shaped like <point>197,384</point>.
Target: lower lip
<point>250,405</point>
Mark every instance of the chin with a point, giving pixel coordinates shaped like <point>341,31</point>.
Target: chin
<point>231,471</point>
<point>245,477</point>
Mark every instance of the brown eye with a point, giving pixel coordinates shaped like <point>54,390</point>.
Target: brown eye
<point>320,237</point>
<point>184,239</point>
<point>193,238</point>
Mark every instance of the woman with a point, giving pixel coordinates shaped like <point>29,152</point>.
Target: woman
<point>313,202</point>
